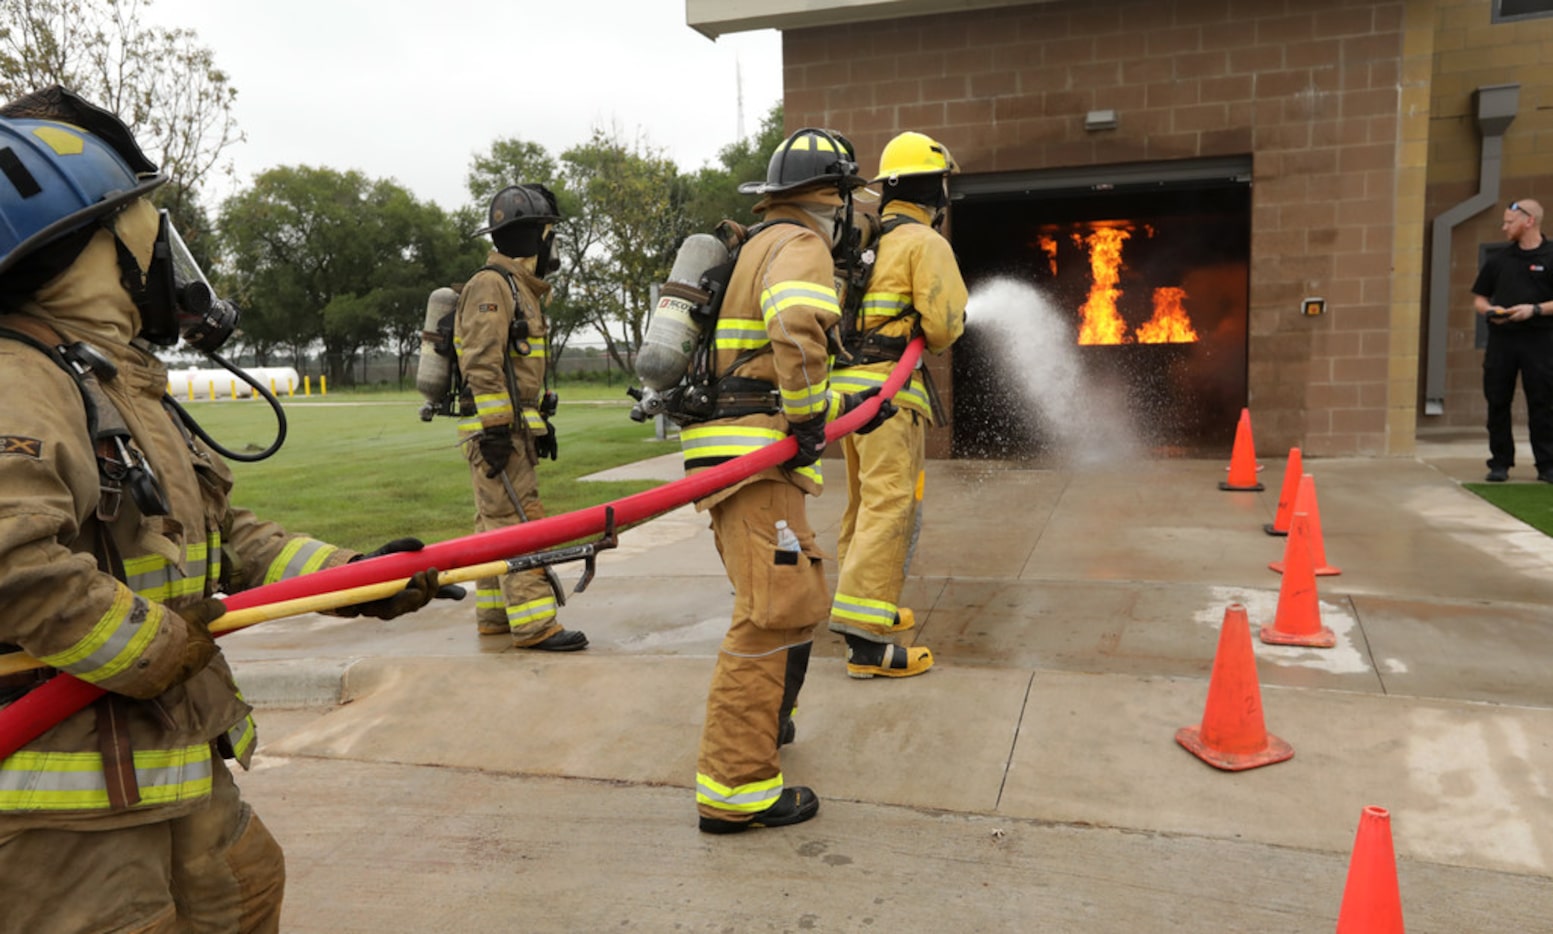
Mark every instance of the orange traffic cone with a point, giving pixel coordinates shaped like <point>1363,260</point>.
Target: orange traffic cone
<point>1305,501</point>
<point>1232,735</point>
<point>1298,621</point>
<point>1371,902</point>
<point>1286,496</point>
<point>1242,461</point>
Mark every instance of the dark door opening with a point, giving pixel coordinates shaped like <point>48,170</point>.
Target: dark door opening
<point>1103,308</point>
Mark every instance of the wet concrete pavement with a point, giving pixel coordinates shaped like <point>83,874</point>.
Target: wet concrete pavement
<point>1031,781</point>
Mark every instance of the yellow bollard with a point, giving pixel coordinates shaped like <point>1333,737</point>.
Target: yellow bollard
<point>191,389</point>
<point>323,385</point>
<point>272,385</point>
<point>289,387</point>
<point>307,385</point>
<point>212,390</point>
<point>234,390</point>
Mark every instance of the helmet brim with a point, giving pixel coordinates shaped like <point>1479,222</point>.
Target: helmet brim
<point>536,219</point>
<point>844,182</point>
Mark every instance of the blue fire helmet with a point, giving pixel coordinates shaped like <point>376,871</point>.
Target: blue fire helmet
<point>56,178</point>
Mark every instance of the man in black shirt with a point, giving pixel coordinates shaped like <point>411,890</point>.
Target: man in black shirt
<point>1514,291</point>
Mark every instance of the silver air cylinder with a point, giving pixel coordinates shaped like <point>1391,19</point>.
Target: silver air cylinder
<point>432,370</point>
<point>672,330</point>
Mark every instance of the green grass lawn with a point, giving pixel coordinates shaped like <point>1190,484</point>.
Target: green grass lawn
<point>1532,503</point>
<point>366,469</point>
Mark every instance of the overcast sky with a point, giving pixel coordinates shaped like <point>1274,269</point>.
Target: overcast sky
<point>411,89</point>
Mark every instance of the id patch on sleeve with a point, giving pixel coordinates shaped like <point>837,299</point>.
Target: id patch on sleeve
<point>489,306</point>
<point>16,444</point>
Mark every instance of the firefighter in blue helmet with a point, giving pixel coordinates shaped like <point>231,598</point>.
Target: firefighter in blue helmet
<point>124,815</point>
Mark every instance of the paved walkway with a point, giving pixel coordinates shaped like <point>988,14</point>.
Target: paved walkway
<point>1029,782</point>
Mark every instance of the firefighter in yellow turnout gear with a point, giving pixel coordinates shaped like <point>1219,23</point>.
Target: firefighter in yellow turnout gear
<point>123,816</point>
<point>770,358</point>
<point>915,288</point>
<point>499,332</point>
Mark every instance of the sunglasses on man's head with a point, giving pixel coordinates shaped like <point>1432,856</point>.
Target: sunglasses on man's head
<point>1516,206</point>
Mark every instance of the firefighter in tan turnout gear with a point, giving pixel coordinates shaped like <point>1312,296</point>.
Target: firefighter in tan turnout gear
<point>770,357</point>
<point>123,816</point>
<point>499,333</point>
<point>915,287</point>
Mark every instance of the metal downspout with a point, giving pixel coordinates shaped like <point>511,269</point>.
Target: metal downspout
<point>1496,106</point>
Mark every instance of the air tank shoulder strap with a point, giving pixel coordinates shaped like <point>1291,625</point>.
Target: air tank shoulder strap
<point>854,339</point>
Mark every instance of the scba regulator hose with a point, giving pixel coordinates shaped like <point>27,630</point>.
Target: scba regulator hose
<point>33,714</point>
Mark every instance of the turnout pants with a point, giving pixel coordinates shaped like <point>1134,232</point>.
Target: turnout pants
<point>216,870</point>
<point>884,500</point>
<point>779,597</point>
<point>522,603</point>
<point>1529,353</point>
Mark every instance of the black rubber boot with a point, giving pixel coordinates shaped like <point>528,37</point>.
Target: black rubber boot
<point>792,683</point>
<point>796,805</point>
<point>567,640</point>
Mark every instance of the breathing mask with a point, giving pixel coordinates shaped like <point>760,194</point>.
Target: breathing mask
<point>177,301</point>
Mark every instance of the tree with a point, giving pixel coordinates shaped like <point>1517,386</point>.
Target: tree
<point>631,197</point>
<point>318,255</point>
<point>161,82</point>
<point>510,161</point>
<point>715,189</point>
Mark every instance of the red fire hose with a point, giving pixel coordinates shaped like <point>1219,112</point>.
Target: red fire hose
<point>33,714</point>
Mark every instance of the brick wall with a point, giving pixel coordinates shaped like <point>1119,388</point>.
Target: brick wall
<point>1471,52</point>
<point>1314,90</point>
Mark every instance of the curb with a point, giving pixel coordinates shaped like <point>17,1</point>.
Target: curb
<point>293,682</point>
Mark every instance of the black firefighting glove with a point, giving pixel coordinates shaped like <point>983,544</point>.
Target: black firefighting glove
<point>887,408</point>
<point>811,442</point>
<point>198,649</point>
<point>418,591</point>
<point>496,448</point>
<point>545,445</point>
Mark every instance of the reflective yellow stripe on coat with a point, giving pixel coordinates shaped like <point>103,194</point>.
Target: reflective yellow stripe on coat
<point>74,781</point>
<point>913,395</point>
<point>710,445</point>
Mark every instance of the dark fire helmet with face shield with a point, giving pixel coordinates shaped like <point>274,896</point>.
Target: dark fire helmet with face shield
<point>522,222</point>
<point>66,168</point>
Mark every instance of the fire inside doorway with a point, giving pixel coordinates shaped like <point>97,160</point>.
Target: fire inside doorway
<point>1106,321</point>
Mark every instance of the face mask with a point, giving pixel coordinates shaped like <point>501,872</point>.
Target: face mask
<point>178,301</point>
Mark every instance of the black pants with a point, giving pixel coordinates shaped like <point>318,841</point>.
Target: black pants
<point>1529,353</point>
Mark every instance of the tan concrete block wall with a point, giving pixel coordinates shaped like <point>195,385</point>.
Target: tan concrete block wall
<point>1312,90</point>
<point>1472,52</point>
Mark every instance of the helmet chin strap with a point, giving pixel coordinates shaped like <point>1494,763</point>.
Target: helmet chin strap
<point>153,321</point>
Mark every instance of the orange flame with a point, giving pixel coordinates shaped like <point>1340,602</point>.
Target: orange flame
<point>1049,247</point>
<point>1170,324</point>
<point>1101,323</point>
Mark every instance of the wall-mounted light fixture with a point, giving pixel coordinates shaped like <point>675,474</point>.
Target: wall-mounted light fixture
<point>1100,120</point>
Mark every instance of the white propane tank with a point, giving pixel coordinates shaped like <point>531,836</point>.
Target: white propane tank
<point>671,330</point>
<point>432,369</point>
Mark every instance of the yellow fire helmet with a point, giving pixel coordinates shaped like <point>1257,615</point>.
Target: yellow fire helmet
<point>914,154</point>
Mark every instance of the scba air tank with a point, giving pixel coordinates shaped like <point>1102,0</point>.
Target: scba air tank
<point>673,330</point>
<point>433,371</point>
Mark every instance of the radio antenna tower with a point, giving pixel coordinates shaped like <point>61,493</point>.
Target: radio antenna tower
<point>738,83</point>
